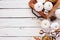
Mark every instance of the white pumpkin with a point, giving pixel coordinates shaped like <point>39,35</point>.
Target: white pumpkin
<point>57,13</point>
<point>55,25</point>
<point>48,6</point>
<point>45,24</point>
<point>38,6</point>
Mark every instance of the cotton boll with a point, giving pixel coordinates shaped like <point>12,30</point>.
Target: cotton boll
<point>45,24</point>
<point>42,1</point>
<point>55,25</point>
<point>57,13</point>
<point>48,6</point>
<point>38,6</point>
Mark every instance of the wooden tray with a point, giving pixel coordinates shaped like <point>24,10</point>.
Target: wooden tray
<point>32,2</point>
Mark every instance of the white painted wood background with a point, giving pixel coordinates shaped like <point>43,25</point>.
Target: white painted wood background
<point>17,21</point>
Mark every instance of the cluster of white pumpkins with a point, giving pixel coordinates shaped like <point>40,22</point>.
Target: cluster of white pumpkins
<point>41,4</point>
<point>47,6</point>
<point>47,24</point>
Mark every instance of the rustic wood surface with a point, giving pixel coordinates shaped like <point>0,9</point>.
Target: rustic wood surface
<point>17,21</point>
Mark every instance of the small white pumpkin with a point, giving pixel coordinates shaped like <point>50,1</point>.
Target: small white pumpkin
<point>38,6</point>
<point>57,13</point>
<point>45,24</point>
<point>55,25</point>
<point>48,6</point>
<point>46,12</point>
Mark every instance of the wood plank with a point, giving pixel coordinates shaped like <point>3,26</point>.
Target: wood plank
<point>19,22</point>
<point>14,4</point>
<point>16,38</point>
<point>19,32</point>
<point>16,13</point>
<point>20,38</point>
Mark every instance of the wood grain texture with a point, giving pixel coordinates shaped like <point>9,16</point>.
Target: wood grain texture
<point>14,4</point>
<point>19,22</point>
<point>16,13</point>
<point>16,38</point>
<point>19,38</point>
<point>19,32</point>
